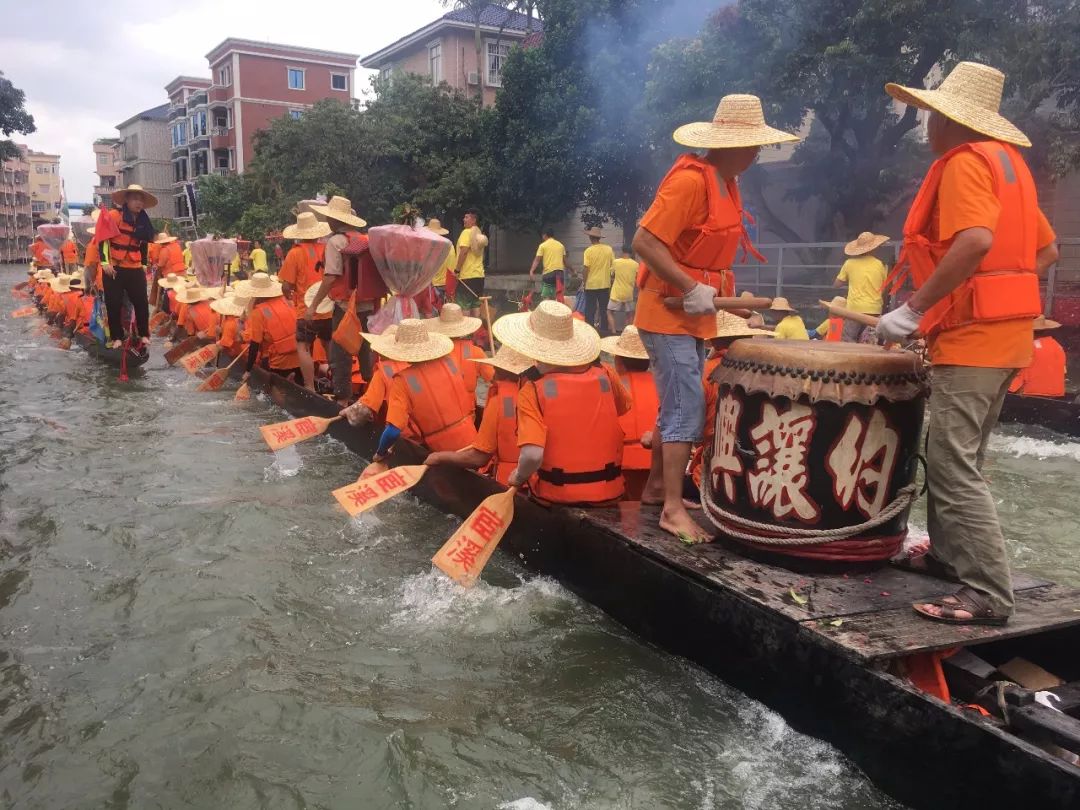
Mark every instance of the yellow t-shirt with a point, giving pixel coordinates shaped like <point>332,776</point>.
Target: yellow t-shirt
<point>553,253</point>
<point>864,276</point>
<point>449,264</point>
<point>599,260</point>
<point>187,258</point>
<point>258,260</point>
<point>622,289</point>
<point>791,328</point>
<point>474,263</point>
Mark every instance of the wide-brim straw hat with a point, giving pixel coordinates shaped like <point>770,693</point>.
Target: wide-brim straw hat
<point>76,281</point>
<point>90,230</point>
<point>452,322</point>
<point>1042,324</point>
<point>326,306</point>
<point>411,342</point>
<point>387,332</point>
<point>971,96</point>
<point>340,209</point>
<point>164,239</point>
<point>738,122</point>
<point>60,283</point>
<point>594,232</point>
<point>780,304</point>
<point>627,344</point>
<point>479,240</point>
<point>307,226</point>
<point>43,275</point>
<point>171,281</point>
<point>506,359</point>
<point>120,195</point>
<point>730,325</point>
<point>191,294</point>
<point>864,243</point>
<point>230,305</point>
<point>549,334</point>
<point>838,301</point>
<point>436,226</point>
<point>259,285</point>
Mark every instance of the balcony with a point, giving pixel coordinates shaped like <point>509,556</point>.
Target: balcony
<point>221,138</point>
<point>179,149</point>
<point>177,111</point>
<point>221,93</point>
<point>221,171</point>
<point>197,100</point>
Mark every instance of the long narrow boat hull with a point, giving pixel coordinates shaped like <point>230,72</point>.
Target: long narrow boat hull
<point>1058,414</point>
<point>111,357</point>
<point>923,751</point>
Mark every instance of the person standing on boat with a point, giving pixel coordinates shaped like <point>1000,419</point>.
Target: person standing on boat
<point>123,272</point>
<point>301,270</point>
<point>258,258</point>
<point>1045,377</point>
<point>975,245</point>
<point>864,274</point>
<point>439,282</point>
<point>687,241</point>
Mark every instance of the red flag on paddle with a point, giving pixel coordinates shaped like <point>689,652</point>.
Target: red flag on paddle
<point>105,228</point>
<point>451,285</point>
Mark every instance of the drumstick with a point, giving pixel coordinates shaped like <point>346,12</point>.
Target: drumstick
<point>849,315</point>
<point>749,302</point>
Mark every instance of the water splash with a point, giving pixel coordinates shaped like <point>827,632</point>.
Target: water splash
<point>1020,446</point>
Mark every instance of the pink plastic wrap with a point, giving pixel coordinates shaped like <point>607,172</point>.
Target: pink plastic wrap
<point>408,259</point>
<point>210,257</point>
<point>53,236</point>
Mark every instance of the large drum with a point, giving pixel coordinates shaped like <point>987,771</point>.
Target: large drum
<point>815,448</point>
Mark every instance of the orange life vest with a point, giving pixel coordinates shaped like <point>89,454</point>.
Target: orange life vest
<point>230,335</point>
<point>1004,287</point>
<point>464,348</point>
<point>502,395</point>
<point>37,251</point>
<point>69,252</point>
<point>200,318</point>
<point>86,311</point>
<point>340,289</point>
<point>71,305</point>
<point>125,250</point>
<point>170,259</point>
<point>1045,377</point>
<point>836,330</point>
<point>639,419</point>
<point>719,237</point>
<point>583,455</point>
<point>440,412</point>
<point>279,327</point>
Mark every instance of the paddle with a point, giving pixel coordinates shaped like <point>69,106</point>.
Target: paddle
<point>180,349</point>
<point>367,492</point>
<point>484,305</point>
<point>24,312</point>
<point>284,434</point>
<point>22,285</point>
<point>217,379</point>
<point>464,555</point>
<point>158,318</point>
<point>243,393</point>
<point>200,357</point>
<point>748,302</point>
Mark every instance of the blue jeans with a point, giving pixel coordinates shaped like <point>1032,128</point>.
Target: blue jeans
<point>678,362</point>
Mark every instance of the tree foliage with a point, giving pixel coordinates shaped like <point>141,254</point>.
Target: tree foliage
<point>13,116</point>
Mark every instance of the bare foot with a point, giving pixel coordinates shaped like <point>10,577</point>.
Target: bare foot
<point>653,493</point>
<point>677,521</point>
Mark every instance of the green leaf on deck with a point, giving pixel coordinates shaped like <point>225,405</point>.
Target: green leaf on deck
<point>799,598</point>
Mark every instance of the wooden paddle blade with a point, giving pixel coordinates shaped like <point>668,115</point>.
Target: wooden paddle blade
<point>24,312</point>
<point>284,434</point>
<point>367,492</point>
<point>464,555</point>
<point>174,353</point>
<point>243,393</point>
<point>200,357</point>
<point>157,319</point>
<point>214,381</point>
<point>164,329</point>
<point>22,285</point>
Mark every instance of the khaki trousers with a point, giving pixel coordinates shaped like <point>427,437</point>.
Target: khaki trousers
<point>965,533</point>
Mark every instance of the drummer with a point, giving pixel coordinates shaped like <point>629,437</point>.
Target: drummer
<point>976,277</point>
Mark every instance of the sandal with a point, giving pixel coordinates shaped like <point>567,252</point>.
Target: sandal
<point>965,599</point>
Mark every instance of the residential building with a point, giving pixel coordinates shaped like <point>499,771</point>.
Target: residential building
<point>46,190</point>
<point>16,220</point>
<point>189,137</point>
<point>107,167</point>
<point>445,50</point>
<point>145,156</point>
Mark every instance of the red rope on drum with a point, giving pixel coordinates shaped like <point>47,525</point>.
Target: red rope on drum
<point>877,549</point>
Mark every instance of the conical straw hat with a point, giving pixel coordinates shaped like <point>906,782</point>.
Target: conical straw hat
<point>43,274</point>
<point>628,344</point>
<point>970,95</point>
<point>411,343</point>
<point>326,306</point>
<point>258,286</point>
<point>452,322</point>
<point>549,334</point>
<point>729,325</point>
<point>864,243</point>
<point>434,224</point>
<point>60,283</point>
<point>506,359</point>
<point>339,208</point>
<point>307,226</point>
<point>780,304</point>
<point>230,305</point>
<point>738,122</point>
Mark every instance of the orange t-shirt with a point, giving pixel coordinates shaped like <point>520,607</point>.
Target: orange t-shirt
<point>299,270</point>
<point>230,335</point>
<point>256,332</point>
<point>487,435</point>
<point>170,259</point>
<point>69,252</point>
<point>680,204</point>
<point>966,199</point>
<point>531,426</point>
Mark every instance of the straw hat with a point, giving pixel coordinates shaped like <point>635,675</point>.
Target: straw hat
<point>971,96</point>
<point>258,286</point>
<point>478,241</point>
<point>90,230</point>
<point>387,332</point>
<point>780,304</point>
<point>628,344</point>
<point>120,195</point>
<point>307,226</point>
<point>729,325</point>
<point>339,209</point>
<point>230,305</point>
<point>838,301</point>
<point>738,122</point>
<point>452,322</point>
<point>435,225</point>
<point>75,282</point>
<point>1042,324</point>
<point>60,283</point>
<point>43,274</point>
<point>594,232</point>
<point>864,243</point>
<point>506,359</point>
<point>549,334</point>
<point>164,239</point>
<point>411,343</point>
<point>171,281</point>
<point>326,306</point>
<point>193,294</point>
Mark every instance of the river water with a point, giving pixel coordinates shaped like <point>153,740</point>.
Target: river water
<point>188,621</point>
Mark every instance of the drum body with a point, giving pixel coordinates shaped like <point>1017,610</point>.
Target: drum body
<point>815,448</point>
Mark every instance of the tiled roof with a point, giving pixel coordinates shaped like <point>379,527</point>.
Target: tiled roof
<point>160,113</point>
<point>497,17</point>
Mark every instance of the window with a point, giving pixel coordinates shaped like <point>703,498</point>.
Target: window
<point>198,125</point>
<point>435,62</point>
<point>102,159</point>
<point>179,134</point>
<point>296,78</point>
<point>41,168</point>
<point>39,206</point>
<point>43,188</point>
<point>384,74</point>
<point>296,115</point>
<point>339,81</point>
<point>224,76</point>
<point>496,59</point>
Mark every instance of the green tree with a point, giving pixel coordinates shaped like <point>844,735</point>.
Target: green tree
<point>13,116</point>
<point>87,210</point>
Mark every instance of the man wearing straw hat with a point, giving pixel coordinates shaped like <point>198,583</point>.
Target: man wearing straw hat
<point>599,260</point>
<point>301,272</point>
<point>1045,377</point>
<point>864,274</point>
<point>123,273</point>
<point>975,244</point>
<point>687,241</point>
<point>271,326</point>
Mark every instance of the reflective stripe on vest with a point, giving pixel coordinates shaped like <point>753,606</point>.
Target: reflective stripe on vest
<point>125,250</point>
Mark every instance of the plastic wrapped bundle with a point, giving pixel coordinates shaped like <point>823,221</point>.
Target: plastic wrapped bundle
<point>210,257</point>
<point>53,236</point>
<point>407,259</point>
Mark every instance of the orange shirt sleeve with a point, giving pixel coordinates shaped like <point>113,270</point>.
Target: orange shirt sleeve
<point>1045,234</point>
<point>375,394</point>
<point>398,407</point>
<point>679,204</point>
<point>530,421</point>
<point>290,267</point>
<point>228,334</point>
<point>255,326</point>
<point>623,401</point>
<point>966,196</point>
<point>487,437</point>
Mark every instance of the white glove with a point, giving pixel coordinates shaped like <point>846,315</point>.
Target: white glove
<point>357,414</point>
<point>699,301</point>
<point>899,324</point>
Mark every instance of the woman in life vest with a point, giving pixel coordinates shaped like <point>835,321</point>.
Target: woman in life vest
<point>232,311</point>
<point>300,276</point>
<point>638,424</point>
<point>975,244</point>
<point>122,270</point>
<point>428,397</point>
<point>1045,377</point>
<point>569,434</point>
<point>460,328</point>
<point>831,329</point>
<point>270,327</point>
<point>688,240</point>
<point>495,448</point>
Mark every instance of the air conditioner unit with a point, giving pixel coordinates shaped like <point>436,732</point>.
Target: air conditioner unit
<point>474,77</point>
